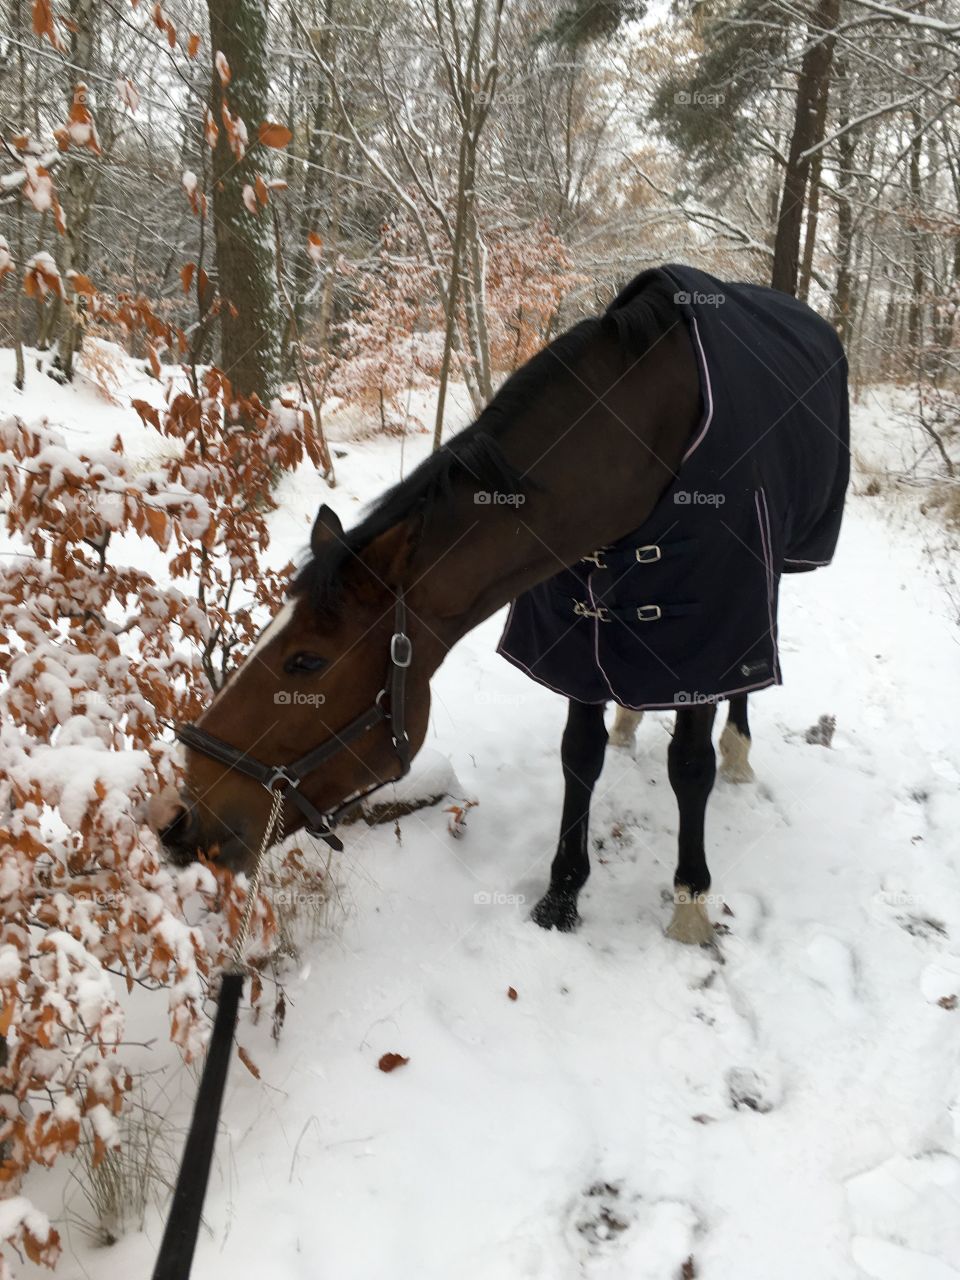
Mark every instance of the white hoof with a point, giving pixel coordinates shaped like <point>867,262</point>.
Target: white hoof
<point>690,924</point>
<point>735,755</point>
<point>624,727</point>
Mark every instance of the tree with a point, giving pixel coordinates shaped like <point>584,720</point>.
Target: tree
<point>250,321</point>
<point>809,119</point>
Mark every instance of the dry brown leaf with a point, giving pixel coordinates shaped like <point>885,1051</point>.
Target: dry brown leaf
<point>273,134</point>
<point>248,1062</point>
<point>390,1061</point>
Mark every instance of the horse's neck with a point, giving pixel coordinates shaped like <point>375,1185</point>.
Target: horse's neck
<point>595,468</point>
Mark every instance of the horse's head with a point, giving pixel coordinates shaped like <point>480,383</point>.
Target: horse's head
<point>329,679</point>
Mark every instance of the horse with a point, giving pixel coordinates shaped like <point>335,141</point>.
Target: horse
<point>571,471</point>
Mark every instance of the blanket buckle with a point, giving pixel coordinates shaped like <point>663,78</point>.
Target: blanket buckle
<point>595,558</point>
<point>583,610</point>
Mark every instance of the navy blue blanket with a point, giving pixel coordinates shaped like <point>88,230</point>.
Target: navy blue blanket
<point>684,609</point>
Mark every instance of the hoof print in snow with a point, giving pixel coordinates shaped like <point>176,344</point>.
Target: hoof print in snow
<point>748,1091</point>
<point>556,911</point>
<point>821,733</point>
<point>603,1215</point>
<point>923,926</point>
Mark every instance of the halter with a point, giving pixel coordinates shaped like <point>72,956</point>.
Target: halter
<point>286,778</point>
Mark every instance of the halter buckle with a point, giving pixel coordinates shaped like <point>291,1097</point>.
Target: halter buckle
<point>649,613</point>
<point>279,775</point>
<point>401,649</point>
<point>649,554</point>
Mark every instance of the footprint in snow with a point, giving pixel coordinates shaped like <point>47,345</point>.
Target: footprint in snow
<point>618,1232</point>
<point>751,1091</point>
<point>604,1213</point>
<point>923,926</point>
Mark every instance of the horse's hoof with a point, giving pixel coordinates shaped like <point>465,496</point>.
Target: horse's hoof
<point>735,755</point>
<point>690,924</point>
<point>624,729</point>
<point>556,911</point>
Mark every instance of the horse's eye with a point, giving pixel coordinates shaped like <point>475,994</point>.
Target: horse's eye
<point>304,662</point>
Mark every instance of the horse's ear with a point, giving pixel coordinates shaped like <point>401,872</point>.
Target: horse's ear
<point>388,555</point>
<point>326,529</point>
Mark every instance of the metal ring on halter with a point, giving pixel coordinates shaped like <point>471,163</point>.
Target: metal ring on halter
<point>401,649</point>
<point>280,775</point>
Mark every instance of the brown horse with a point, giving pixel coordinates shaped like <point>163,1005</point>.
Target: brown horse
<point>572,454</point>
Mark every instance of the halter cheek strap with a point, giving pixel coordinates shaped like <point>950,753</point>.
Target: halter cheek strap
<point>389,708</point>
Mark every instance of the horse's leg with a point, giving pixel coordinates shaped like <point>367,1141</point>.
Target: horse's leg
<point>692,768</point>
<point>624,727</point>
<point>735,743</point>
<point>582,750</point>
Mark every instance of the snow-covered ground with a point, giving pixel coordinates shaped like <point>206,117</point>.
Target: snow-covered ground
<point>792,1111</point>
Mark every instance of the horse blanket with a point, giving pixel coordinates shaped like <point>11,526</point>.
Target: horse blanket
<point>684,609</point>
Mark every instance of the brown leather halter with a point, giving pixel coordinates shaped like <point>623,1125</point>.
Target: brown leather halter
<point>389,708</point>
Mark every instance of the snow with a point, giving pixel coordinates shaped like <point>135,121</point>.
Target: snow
<point>793,1111</point>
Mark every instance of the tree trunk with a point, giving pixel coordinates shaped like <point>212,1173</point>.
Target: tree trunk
<point>813,89</point>
<point>915,314</point>
<point>77,188</point>
<point>321,156</point>
<point>250,322</point>
<point>810,238</point>
<point>846,150</point>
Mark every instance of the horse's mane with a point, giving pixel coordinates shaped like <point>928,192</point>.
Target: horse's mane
<point>637,318</point>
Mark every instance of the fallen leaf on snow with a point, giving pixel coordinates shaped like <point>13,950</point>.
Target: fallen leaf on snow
<point>390,1061</point>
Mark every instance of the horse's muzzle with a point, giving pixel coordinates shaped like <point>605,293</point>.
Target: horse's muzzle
<point>179,833</point>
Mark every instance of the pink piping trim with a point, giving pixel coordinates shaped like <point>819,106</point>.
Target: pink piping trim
<point>596,636</point>
<point>764,523</point>
<point>705,382</point>
<point>715,697</point>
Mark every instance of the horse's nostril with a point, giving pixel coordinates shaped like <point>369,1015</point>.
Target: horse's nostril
<point>178,835</point>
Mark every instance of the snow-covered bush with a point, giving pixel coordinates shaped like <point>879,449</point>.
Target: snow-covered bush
<point>97,655</point>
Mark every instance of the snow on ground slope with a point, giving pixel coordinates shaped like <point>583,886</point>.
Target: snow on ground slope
<point>791,1112</point>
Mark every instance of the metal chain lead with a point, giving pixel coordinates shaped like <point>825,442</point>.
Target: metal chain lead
<point>276,812</point>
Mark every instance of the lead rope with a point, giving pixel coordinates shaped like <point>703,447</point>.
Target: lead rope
<point>183,1225</point>
<point>276,812</point>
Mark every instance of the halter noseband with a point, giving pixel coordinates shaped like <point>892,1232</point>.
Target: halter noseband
<point>272,777</point>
